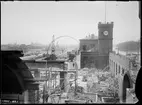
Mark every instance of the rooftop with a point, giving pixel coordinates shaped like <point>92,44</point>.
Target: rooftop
<point>90,37</point>
<point>120,55</point>
<point>18,53</point>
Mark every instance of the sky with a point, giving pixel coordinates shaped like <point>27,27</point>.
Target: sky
<point>24,22</point>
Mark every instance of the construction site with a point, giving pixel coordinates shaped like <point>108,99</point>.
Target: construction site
<point>92,72</point>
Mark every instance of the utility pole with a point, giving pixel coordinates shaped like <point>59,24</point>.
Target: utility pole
<point>75,85</point>
<point>51,76</point>
<point>76,81</point>
<point>43,93</point>
<point>105,11</point>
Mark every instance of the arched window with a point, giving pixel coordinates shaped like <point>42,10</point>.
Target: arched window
<point>119,69</point>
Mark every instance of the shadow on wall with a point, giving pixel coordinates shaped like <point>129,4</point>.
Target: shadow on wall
<point>126,84</point>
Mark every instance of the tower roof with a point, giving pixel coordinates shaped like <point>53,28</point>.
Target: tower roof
<point>104,25</point>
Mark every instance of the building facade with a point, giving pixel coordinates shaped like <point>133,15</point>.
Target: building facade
<point>125,70</point>
<point>95,51</point>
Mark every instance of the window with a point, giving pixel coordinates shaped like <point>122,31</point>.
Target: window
<point>114,65</point>
<point>123,71</point>
<point>119,69</point>
<point>84,47</point>
<point>116,69</point>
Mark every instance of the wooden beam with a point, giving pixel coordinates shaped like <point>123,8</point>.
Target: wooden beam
<point>45,61</point>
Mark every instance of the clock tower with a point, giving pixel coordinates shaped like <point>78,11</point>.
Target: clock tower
<point>105,37</point>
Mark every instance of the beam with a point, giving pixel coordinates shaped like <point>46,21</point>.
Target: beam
<point>46,69</point>
<point>74,101</point>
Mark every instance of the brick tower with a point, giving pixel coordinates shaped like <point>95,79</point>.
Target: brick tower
<point>105,37</point>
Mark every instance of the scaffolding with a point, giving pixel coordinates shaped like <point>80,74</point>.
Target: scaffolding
<point>51,88</point>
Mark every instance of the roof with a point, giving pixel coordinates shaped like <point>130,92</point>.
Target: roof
<point>14,72</point>
<point>18,53</point>
<point>88,39</point>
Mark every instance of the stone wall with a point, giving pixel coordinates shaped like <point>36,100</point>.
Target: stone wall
<point>121,66</point>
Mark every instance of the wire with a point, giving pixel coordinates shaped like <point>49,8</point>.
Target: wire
<point>105,11</point>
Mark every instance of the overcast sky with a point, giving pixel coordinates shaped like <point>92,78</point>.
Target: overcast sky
<point>26,22</point>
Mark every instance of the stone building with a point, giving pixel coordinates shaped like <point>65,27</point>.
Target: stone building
<point>125,70</point>
<point>94,52</point>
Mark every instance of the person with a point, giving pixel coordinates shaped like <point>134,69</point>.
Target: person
<point>138,87</point>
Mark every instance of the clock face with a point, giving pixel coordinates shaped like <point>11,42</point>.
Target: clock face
<point>105,32</point>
